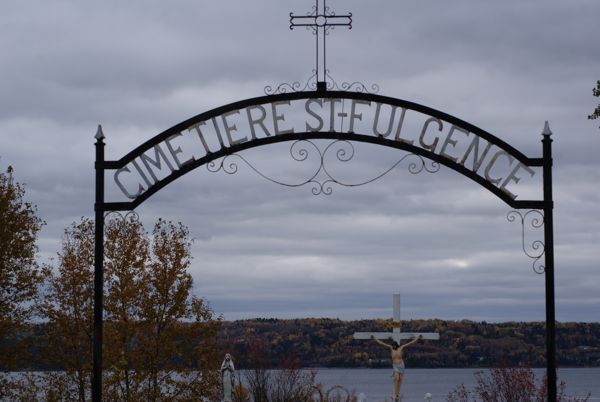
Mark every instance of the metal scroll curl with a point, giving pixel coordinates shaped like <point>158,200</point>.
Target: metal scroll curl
<point>335,393</point>
<point>321,178</point>
<point>129,216</point>
<point>296,86</point>
<point>331,84</point>
<point>533,219</point>
<point>355,86</point>
<point>117,216</point>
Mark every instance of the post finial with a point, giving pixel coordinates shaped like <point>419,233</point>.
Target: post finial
<point>99,134</point>
<point>547,130</point>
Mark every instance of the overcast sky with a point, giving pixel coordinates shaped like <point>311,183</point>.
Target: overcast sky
<point>262,250</point>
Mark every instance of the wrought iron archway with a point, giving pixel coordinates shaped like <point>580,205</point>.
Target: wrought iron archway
<point>141,167</point>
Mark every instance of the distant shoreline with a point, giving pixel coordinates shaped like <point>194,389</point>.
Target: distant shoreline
<point>328,343</point>
<point>325,342</point>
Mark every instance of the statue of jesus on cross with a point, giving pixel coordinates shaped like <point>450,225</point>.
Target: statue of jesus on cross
<point>396,349</point>
<point>397,361</point>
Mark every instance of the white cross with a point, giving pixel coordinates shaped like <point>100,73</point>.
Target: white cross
<point>396,334</point>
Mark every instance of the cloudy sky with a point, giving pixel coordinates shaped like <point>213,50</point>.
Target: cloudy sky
<point>262,250</point>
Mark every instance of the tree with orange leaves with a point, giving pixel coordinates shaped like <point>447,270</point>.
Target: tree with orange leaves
<point>68,309</point>
<point>159,338</point>
<point>20,275</point>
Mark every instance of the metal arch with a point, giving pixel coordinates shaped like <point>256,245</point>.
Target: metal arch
<point>546,204</point>
<point>517,204</point>
<point>290,96</point>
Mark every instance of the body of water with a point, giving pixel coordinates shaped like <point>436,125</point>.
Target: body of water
<point>376,384</point>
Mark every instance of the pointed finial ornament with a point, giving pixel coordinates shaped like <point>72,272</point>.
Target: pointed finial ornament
<point>547,130</point>
<point>99,134</point>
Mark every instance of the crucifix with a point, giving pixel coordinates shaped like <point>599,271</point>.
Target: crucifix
<point>396,350</point>
<point>320,21</point>
<point>396,334</point>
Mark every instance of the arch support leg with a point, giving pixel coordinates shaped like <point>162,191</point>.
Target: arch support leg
<point>98,271</point>
<point>549,274</point>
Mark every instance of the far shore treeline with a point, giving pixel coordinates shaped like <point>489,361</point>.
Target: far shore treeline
<point>321,342</point>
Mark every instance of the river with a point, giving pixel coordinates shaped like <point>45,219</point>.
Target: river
<point>376,384</point>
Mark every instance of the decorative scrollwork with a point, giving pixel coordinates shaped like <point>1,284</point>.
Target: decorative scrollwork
<point>321,179</point>
<point>535,250</point>
<point>229,167</point>
<point>128,217</point>
<point>355,86</point>
<point>131,216</point>
<point>420,164</point>
<point>337,393</point>
<point>311,84</point>
<point>296,86</point>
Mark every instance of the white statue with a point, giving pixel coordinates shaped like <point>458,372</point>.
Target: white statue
<point>396,350</point>
<point>227,378</point>
<point>397,362</point>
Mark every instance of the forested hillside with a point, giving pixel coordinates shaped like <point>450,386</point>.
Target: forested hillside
<point>329,343</point>
<point>326,342</point>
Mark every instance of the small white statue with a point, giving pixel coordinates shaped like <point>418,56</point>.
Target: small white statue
<point>227,378</point>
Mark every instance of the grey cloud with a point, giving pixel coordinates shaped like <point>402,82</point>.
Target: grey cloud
<point>263,250</point>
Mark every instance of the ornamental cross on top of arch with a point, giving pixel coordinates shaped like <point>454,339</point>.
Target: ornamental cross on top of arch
<point>320,20</point>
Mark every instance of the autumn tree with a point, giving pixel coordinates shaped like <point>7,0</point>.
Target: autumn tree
<point>178,328</point>
<point>68,309</point>
<point>126,256</point>
<point>159,338</point>
<point>595,92</point>
<point>20,275</point>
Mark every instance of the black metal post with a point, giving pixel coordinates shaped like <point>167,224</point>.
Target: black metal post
<point>549,266</point>
<point>98,269</point>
